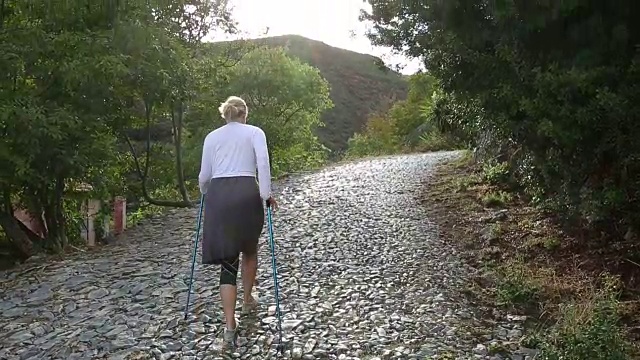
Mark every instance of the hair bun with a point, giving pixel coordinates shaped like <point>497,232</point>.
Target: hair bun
<point>233,109</point>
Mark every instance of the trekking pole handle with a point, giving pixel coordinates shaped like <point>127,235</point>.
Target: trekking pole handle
<point>267,203</point>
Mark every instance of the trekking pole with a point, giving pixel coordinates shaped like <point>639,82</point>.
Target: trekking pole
<point>193,259</point>
<point>272,245</point>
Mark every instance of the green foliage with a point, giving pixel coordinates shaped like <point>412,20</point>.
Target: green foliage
<point>360,86</point>
<point>551,85</point>
<point>515,288</point>
<point>361,145</point>
<point>496,173</point>
<point>377,139</point>
<point>496,199</point>
<point>548,243</point>
<point>436,141</point>
<point>408,125</point>
<point>286,98</point>
<point>588,330</point>
<point>119,96</point>
<point>410,114</point>
<point>57,128</point>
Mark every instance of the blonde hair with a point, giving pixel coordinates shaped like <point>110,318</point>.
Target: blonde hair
<point>233,109</point>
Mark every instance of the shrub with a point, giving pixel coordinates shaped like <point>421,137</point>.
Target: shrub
<point>516,286</point>
<point>496,174</point>
<point>496,199</point>
<point>588,329</point>
<point>378,139</point>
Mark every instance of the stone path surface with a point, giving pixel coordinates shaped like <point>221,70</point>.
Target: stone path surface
<point>363,276</point>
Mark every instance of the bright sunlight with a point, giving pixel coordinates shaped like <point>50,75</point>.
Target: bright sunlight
<point>334,22</point>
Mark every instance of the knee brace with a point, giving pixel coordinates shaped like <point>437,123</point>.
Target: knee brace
<point>229,271</point>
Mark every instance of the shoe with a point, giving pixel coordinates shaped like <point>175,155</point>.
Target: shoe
<point>229,339</point>
<point>249,307</point>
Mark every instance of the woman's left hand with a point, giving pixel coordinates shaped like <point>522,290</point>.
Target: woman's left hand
<point>272,202</point>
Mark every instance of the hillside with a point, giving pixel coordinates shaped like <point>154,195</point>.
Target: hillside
<point>359,87</point>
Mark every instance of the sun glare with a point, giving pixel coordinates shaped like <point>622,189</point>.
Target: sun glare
<point>334,22</point>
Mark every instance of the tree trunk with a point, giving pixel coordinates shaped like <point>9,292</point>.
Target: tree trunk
<point>14,228</point>
<point>53,238</point>
<point>143,173</point>
<point>59,206</point>
<point>35,238</point>
<point>177,142</point>
<point>2,14</point>
<point>54,217</point>
<point>18,237</point>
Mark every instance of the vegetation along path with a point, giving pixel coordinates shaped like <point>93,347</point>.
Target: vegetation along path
<point>363,276</point>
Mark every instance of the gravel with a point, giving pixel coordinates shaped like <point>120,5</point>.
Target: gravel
<point>363,275</point>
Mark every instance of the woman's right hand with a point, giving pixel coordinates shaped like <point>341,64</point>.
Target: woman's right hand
<point>272,202</point>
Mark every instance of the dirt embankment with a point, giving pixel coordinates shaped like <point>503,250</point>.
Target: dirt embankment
<point>561,279</point>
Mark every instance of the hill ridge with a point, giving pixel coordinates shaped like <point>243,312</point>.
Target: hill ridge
<point>301,37</point>
<point>360,85</point>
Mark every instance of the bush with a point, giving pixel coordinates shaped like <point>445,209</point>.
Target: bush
<point>496,199</point>
<point>378,139</point>
<point>588,329</point>
<point>516,287</point>
<point>555,81</point>
<point>408,126</point>
<point>298,157</point>
<point>361,145</point>
<point>496,174</point>
<point>436,141</point>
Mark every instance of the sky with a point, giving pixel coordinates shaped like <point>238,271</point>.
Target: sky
<point>334,22</point>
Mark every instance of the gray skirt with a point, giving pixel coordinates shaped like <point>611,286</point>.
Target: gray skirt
<point>233,219</point>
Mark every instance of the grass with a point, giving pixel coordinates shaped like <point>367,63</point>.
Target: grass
<point>496,199</point>
<point>581,301</point>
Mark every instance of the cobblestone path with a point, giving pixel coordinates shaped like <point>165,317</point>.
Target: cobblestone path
<point>363,276</point>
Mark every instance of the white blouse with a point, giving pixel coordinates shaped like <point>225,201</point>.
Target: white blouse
<point>236,149</point>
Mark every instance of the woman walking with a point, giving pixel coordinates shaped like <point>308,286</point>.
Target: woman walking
<point>234,213</point>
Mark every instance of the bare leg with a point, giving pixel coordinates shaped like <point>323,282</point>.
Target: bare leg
<point>249,269</point>
<point>228,294</point>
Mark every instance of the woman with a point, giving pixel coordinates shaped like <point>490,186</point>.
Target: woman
<point>234,213</point>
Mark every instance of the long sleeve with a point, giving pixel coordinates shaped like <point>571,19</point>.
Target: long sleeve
<point>205,166</point>
<point>263,166</point>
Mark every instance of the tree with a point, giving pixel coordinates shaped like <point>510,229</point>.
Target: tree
<point>54,120</point>
<point>77,80</point>
<point>555,83</point>
<point>285,99</point>
<point>414,124</point>
<point>378,138</point>
<point>160,81</point>
<point>166,76</point>
<point>113,95</point>
<point>410,114</point>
